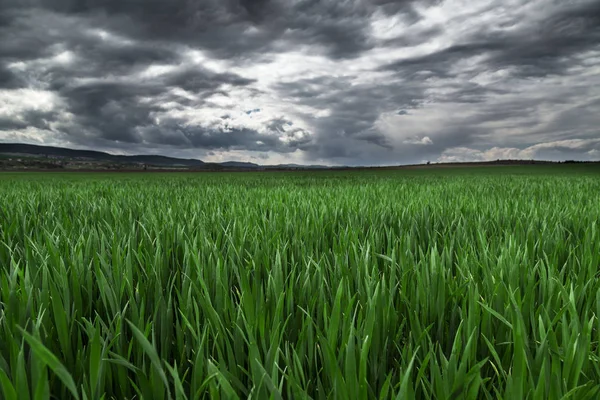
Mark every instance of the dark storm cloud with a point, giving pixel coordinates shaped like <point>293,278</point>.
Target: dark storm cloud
<point>95,58</point>
<point>39,119</point>
<point>177,133</point>
<point>352,111</point>
<point>198,80</point>
<point>102,109</point>
<point>116,110</point>
<point>537,50</point>
<point>340,27</point>
<point>548,47</point>
<point>32,118</point>
<point>243,139</point>
<point>121,59</point>
<point>35,34</point>
<point>8,79</point>
<point>29,34</point>
<point>9,124</point>
<point>111,111</point>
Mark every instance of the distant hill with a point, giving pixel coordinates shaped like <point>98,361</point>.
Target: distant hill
<point>83,156</point>
<point>49,157</point>
<point>298,166</point>
<point>239,164</point>
<point>49,151</point>
<point>17,156</point>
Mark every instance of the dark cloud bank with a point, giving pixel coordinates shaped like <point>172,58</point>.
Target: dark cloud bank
<point>340,82</point>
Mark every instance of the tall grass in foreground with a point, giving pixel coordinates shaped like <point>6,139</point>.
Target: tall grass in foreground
<point>274,286</point>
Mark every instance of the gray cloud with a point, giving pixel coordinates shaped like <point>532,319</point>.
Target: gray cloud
<point>351,112</point>
<point>8,79</point>
<point>7,124</point>
<point>538,49</point>
<point>338,26</point>
<point>115,110</point>
<point>352,82</point>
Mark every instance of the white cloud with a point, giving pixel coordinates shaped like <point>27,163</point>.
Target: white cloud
<point>15,102</point>
<point>425,140</point>
<point>560,147</point>
<point>31,135</point>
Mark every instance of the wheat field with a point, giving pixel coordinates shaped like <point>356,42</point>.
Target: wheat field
<point>452,284</point>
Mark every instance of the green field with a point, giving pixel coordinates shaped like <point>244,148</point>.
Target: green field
<point>449,283</point>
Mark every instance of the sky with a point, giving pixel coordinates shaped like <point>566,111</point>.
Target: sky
<point>344,82</point>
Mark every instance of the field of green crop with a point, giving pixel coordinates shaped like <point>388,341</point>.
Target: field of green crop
<point>451,284</point>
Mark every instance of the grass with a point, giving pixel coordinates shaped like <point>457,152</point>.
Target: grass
<point>437,284</point>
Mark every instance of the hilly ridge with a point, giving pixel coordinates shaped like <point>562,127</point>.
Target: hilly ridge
<point>19,156</point>
<point>50,151</point>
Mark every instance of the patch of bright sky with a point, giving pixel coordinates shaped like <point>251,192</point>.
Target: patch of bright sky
<point>200,58</point>
<point>110,37</point>
<point>31,135</point>
<point>263,158</point>
<point>156,70</point>
<point>14,102</point>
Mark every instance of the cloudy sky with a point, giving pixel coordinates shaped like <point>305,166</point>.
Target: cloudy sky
<point>354,82</point>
